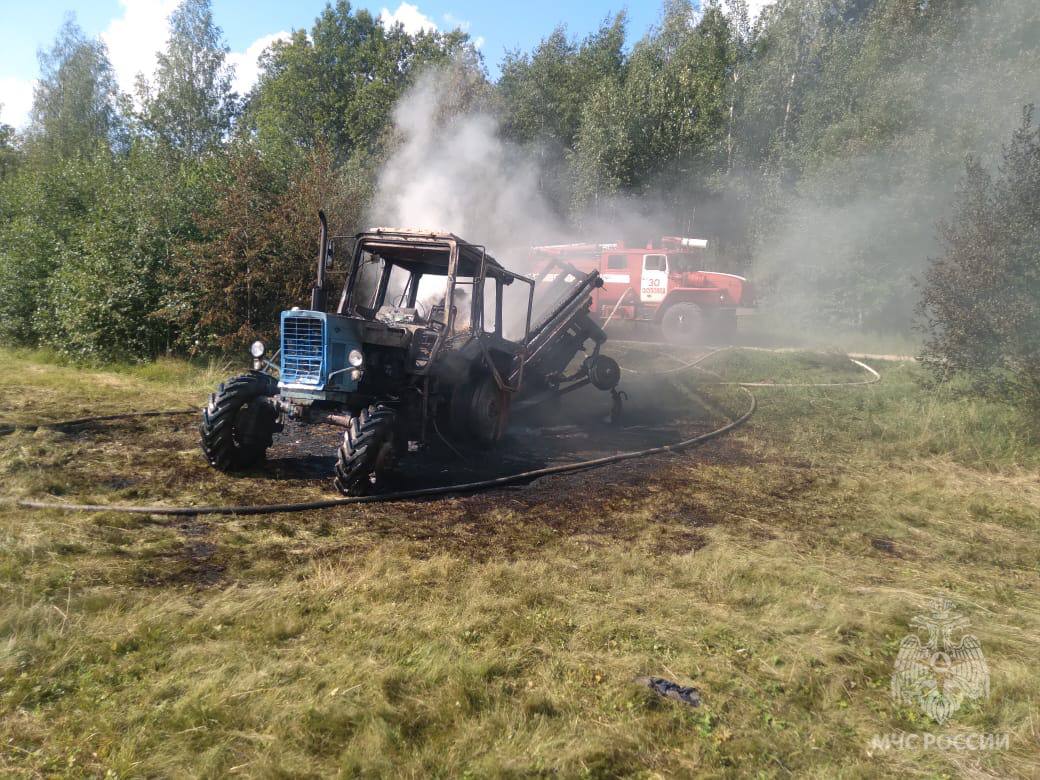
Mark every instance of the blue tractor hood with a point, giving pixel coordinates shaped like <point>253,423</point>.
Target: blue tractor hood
<point>314,353</point>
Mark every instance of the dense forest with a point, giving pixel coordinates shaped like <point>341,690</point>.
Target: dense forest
<point>819,147</point>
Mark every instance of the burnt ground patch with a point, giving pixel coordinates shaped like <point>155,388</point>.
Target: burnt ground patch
<point>659,410</point>
<point>159,457</point>
<point>642,501</point>
<point>652,501</point>
<point>195,561</point>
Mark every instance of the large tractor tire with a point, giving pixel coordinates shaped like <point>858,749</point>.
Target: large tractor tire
<point>239,422</point>
<point>683,324</point>
<point>367,452</point>
<point>480,412</point>
<point>488,412</point>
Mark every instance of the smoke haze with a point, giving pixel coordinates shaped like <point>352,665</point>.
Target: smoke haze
<point>838,251</point>
<point>851,240</point>
<point>453,171</point>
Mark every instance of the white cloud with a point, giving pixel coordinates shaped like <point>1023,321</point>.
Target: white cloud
<point>415,20</point>
<point>454,22</point>
<point>16,95</point>
<point>247,63</point>
<point>410,17</point>
<point>134,38</point>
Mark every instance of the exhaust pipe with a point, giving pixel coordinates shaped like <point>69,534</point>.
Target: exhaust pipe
<point>318,290</point>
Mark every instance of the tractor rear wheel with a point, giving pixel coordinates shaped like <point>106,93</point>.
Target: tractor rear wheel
<point>683,324</point>
<point>239,422</point>
<point>488,412</point>
<point>479,411</point>
<point>367,452</point>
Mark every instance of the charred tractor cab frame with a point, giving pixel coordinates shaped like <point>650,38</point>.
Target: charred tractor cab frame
<point>421,336</point>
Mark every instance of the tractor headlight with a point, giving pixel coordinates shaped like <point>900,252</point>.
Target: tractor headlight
<point>355,358</point>
<point>257,349</point>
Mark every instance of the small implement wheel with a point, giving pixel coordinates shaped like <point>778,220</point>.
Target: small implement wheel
<point>488,412</point>
<point>604,373</point>
<point>367,452</point>
<point>239,421</point>
<point>683,324</point>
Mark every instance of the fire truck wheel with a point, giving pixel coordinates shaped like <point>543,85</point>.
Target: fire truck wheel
<point>239,421</point>
<point>683,323</point>
<point>488,412</point>
<point>367,451</point>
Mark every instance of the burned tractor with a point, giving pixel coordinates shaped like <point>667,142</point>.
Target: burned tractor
<point>429,331</point>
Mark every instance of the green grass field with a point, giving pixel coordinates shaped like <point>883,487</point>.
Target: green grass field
<point>499,634</point>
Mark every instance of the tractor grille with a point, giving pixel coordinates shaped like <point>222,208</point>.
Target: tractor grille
<point>302,350</point>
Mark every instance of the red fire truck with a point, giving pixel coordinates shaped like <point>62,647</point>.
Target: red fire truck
<point>661,283</point>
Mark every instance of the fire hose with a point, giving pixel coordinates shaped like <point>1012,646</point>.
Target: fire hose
<point>874,378</point>
<point>467,487</point>
<point>614,310</point>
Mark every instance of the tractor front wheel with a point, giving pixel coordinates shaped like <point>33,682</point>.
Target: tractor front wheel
<point>367,452</point>
<point>239,421</point>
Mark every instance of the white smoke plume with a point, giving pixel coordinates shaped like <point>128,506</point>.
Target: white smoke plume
<point>453,171</point>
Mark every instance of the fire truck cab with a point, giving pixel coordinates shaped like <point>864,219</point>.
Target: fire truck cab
<point>663,283</point>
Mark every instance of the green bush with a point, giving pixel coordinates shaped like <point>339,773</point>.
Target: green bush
<point>981,299</point>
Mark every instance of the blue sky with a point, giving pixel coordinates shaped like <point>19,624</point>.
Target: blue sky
<point>134,29</point>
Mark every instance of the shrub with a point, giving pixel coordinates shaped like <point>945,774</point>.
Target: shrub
<point>258,247</point>
<point>981,297</point>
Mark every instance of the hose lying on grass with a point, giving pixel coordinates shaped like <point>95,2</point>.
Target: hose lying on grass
<point>874,378</point>
<point>467,487</point>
